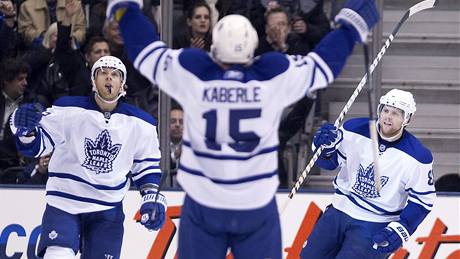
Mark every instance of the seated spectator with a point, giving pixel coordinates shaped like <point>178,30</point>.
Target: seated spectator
<point>176,129</point>
<point>8,37</point>
<point>139,90</point>
<point>36,172</point>
<point>307,18</point>
<point>198,33</point>
<point>13,83</point>
<point>35,16</point>
<point>278,36</point>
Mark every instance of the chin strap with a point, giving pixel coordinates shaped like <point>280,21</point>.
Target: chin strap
<point>392,138</point>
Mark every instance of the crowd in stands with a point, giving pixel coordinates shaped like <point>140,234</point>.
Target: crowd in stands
<point>47,49</point>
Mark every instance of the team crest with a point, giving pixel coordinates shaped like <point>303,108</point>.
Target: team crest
<point>364,185</point>
<point>100,153</point>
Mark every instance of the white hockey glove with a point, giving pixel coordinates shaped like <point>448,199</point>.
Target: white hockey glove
<point>391,238</point>
<point>153,209</point>
<point>360,16</point>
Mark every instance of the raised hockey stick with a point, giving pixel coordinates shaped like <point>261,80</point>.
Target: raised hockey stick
<point>427,4</point>
<point>372,120</point>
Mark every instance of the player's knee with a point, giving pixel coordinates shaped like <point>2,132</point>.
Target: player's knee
<point>59,252</point>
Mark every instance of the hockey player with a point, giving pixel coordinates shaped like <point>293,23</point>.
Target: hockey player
<point>97,141</point>
<point>233,104</point>
<point>361,221</point>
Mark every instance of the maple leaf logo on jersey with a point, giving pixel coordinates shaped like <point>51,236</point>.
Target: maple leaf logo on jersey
<point>100,153</point>
<point>364,184</point>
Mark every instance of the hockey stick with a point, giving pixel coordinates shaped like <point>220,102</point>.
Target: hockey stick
<point>427,4</point>
<point>372,120</point>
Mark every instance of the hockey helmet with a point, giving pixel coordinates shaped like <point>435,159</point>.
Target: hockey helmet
<point>109,62</point>
<point>234,40</point>
<point>400,99</point>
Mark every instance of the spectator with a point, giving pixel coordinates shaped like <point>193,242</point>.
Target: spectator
<point>176,128</point>
<point>36,172</point>
<point>35,16</point>
<point>7,29</point>
<point>38,59</point>
<point>307,17</point>
<point>278,36</point>
<point>13,83</point>
<point>67,73</point>
<point>139,90</point>
<point>198,34</point>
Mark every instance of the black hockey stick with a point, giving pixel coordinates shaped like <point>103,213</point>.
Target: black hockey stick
<point>427,4</point>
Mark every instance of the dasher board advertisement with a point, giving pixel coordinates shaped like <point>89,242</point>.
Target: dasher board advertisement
<point>21,211</point>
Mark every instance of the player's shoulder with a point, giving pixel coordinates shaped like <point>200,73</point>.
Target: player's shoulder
<point>199,63</point>
<point>133,111</point>
<point>358,125</point>
<point>73,101</point>
<point>412,146</point>
<point>269,65</point>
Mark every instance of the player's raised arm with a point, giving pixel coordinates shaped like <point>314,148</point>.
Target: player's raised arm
<point>355,21</point>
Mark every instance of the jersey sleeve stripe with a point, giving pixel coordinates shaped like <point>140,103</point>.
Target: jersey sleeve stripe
<point>322,66</point>
<point>78,179</point>
<point>229,157</point>
<point>48,136</point>
<point>148,168</point>
<point>233,181</point>
<point>410,190</point>
<point>147,178</point>
<point>147,51</point>
<point>82,199</point>
<point>147,160</point>
<point>155,68</point>
<point>420,201</point>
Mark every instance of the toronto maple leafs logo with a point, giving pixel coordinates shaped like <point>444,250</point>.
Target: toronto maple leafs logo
<point>100,153</point>
<point>364,184</point>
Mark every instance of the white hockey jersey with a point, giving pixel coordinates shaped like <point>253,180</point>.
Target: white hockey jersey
<point>93,152</point>
<point>231,118</point>
<point>405,175</point>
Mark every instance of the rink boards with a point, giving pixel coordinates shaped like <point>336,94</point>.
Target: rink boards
<point>21,210</point>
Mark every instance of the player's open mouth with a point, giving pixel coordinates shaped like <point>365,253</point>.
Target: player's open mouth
<point>109,87</point>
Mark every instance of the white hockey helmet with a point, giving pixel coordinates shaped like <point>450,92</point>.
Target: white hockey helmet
<point>109,62</point>
<point>400,99</point>
<point>234,40</point>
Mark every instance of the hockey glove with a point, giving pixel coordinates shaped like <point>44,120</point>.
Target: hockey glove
<point>153,210</point>
<point>391,238</point>
<point>359,16</point>
<point>329,137</point>
<point>25,119</point>
<point>116,8</point>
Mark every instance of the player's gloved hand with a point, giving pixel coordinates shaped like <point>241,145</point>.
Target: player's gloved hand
<point>391,238</point>
<point>116,8</point>
<point>25,119</point>
<point>359,16</point>
<point>329,137</point>
<point>153,210</point>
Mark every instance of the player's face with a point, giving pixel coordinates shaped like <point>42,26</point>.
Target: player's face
<point>391,120</point>
<point>108,82</point>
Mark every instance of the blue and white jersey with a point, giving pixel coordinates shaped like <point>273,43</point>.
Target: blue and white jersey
<point>231,116</point>
<point>405,175</point>
<point>93,153</point>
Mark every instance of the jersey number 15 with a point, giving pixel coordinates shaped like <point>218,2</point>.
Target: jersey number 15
<point>244,141</point>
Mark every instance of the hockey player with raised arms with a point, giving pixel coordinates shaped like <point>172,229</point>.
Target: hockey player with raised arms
<point>232,108</point>
<point>361,221</point>
<point>97,141</point>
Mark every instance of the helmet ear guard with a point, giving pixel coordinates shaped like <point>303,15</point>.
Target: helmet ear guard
<point>234,40</point>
